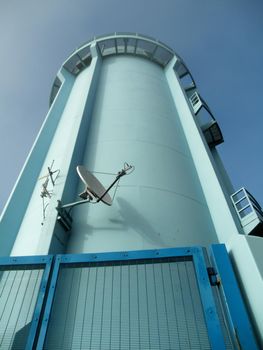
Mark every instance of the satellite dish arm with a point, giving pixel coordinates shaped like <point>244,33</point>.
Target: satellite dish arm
<point>121,173</point>
<point>107,190</point>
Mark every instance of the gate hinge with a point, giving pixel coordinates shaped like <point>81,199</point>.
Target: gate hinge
<point>214,277</point>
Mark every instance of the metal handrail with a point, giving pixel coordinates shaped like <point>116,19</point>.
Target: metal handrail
<point>250,202</point>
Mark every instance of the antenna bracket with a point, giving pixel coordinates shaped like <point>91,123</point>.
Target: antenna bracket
<point>64,217</point>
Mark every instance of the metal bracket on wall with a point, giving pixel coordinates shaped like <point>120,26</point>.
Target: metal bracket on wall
<point>64,217</point>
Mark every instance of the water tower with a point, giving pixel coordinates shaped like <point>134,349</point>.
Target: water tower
<point>129,99</point>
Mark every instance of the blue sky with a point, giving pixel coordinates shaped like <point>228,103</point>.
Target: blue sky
<point>220,41</point>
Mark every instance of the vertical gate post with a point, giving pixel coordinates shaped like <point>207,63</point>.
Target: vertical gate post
<point>237,313</point>
<point>50,296</point>
<point>39,304</point>
<point>213,324</point>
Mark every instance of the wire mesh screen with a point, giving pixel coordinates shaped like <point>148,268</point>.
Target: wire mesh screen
<point>223,320</point>
<point>18,294</point>
<point>131,305</point>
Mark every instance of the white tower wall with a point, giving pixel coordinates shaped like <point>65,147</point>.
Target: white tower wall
<point>135,120</point>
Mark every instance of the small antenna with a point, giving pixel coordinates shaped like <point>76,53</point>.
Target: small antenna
<point>45,192</point>
<point>50,174</point>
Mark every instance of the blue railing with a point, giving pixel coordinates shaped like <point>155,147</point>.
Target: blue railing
<point>245,204</point>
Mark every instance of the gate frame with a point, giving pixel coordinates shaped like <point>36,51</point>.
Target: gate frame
<point>196,254</point>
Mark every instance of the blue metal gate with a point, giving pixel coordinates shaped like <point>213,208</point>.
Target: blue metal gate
<point>152,299</point>
<point>132,300</point>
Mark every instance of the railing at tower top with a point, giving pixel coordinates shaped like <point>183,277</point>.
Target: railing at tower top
<point>206,120</point>
<point>185,76</point>
<point>116,44</point>
<point>135,46</point>
<point>153,50</point>
<point>249,212</point>
<point>55,88</point>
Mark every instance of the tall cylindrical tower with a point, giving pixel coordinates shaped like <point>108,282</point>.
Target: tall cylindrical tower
<point>134,119</point>
<point>119,99</point>
<point>129,98</point>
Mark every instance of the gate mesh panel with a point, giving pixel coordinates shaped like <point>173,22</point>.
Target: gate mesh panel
<point>18,294</point>
<point>150,304</point>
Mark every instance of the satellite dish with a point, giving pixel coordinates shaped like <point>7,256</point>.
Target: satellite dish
<point>93,186</point>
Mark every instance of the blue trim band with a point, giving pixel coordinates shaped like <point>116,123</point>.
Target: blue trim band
<point>130,255</point>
